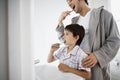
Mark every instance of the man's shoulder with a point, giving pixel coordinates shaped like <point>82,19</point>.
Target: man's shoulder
<point>101,10</point>
<point>98,10</point>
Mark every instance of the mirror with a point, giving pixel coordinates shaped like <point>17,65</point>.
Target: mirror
<point>46,15</point>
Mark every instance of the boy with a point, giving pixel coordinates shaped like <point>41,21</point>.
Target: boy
<point>71,55</point>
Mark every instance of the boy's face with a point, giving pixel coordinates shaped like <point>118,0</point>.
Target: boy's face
<point>69,38</point>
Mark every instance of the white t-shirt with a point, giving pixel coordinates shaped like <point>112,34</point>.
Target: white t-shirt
<point>84,21</point>
<point>73,58</point>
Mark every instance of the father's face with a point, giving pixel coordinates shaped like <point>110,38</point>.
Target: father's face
<point>75,5</point>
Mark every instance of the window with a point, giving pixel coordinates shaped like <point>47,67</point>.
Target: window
<point>115,9</point>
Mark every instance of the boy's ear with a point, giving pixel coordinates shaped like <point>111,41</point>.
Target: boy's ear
<point>77,37</point>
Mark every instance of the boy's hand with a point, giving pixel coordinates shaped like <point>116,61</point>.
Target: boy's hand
<point>55,46</point>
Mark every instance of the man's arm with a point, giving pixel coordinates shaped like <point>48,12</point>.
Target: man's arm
<point>60,27</point>
<point>112,42</point>
<point>108,50</point>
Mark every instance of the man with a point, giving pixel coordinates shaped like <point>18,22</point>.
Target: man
<point>101,41</point>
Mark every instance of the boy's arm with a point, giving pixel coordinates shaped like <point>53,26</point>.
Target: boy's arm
<point>82,73</point>
<point>51,58</point>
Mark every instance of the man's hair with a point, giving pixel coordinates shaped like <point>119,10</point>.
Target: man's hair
<point>86,1</point>
<point>76,30</point>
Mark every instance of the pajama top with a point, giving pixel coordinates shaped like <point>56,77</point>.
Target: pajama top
<point>73,59</point>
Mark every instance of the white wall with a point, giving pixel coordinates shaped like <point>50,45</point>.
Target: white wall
<point>98,3</point>
<point>19,28</point>
<point>3,41</point>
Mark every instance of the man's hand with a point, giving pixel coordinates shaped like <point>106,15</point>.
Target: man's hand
<point>63,67</point>
<point>89,61</point>
<point>63,16</point>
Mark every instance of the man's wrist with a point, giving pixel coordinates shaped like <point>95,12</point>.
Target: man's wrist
<point>60,24</point>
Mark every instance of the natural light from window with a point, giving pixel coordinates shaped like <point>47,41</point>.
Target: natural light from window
<point>115,9</point>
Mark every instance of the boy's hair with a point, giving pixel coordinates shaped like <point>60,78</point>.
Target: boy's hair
<point>76,30</point>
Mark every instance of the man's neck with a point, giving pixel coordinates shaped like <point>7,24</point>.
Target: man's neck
<point>85,10</point>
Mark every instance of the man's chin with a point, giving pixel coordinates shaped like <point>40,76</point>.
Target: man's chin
<point>75,11</point>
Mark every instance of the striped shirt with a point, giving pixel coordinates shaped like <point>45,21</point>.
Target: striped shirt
<point>73,59</point>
